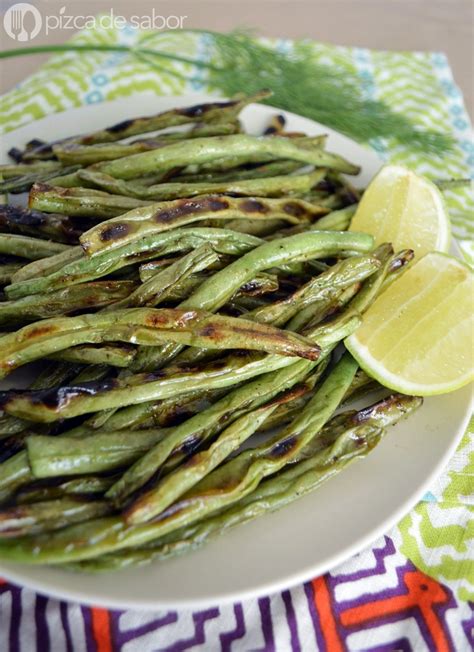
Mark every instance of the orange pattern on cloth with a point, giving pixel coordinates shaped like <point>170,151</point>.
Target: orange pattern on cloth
<point>100,619</point>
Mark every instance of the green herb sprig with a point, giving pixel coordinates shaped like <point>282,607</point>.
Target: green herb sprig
<point>301,84</point>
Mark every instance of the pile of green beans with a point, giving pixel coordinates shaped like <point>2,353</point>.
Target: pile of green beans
<point>175,296</point>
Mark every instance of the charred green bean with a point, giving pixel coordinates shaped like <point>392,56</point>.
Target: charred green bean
<point>327,284</point>
<point>141,388</point>
<point>216,291</point>
<point>61,302</point>
<point>108,354</point>
<point>76,154</point>
<point>148,326</point>
<point>63,456</point>
<point>193,432</point>
<point>265,187</point>
<point>208,113</point>
<point>248,468</point>
<point>239,148</point>
<point>160,286</point>
<point>163,216</point>
<point>48,265</point>
<point>340,447</point>
<point>49,515</point>
<point>56,199</point>
<point>25,181</point>
<point>83,268</point>
<point>30,248</point>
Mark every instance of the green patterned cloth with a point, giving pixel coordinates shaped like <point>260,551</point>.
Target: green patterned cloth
<point>437,534</point>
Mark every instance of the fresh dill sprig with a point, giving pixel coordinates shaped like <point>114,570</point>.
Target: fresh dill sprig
<point>316,90</point>
<point>301,84</point>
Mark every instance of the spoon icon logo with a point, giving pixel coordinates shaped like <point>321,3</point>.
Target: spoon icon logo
<point>22,21</point>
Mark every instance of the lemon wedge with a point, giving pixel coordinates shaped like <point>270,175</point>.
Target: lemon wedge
<point>405,209</point>
<point>418,335</point>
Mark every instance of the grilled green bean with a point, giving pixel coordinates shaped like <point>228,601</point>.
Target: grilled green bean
<point>31,248</point>
<point>226,164</point>
<point>108,354</point>
<point>160,286</point>
<point>81,486</point>
<point>256,171</point>
<point>84,155</point>
<point>24,182</point>
<point>210,113</point>
<point>248,468</point>
<point>75,154</point>
<point>11,170</point>
<point>74,180</point>
<point>216,291</point>
<point>327,284</point>
<point>47,265</point>
<point>50,457</point>
<point>239,148</point>
<point>83,269</point>
<point>141,388</point>
<point>61,302</point>
<point>169,215</point>
<point>340,447</point>
<point>49,515</point>
<point>265,187</point>
<point>54,199</point>
<point>193,432</point>
<point>148,326</point>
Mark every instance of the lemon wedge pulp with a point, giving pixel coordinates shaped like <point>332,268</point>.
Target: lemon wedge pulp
<point>418,335</point>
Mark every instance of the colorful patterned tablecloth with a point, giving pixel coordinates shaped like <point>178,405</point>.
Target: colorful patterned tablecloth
<point>413,589</point>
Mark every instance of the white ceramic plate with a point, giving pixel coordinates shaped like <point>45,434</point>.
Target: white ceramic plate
<point>315,533</point>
